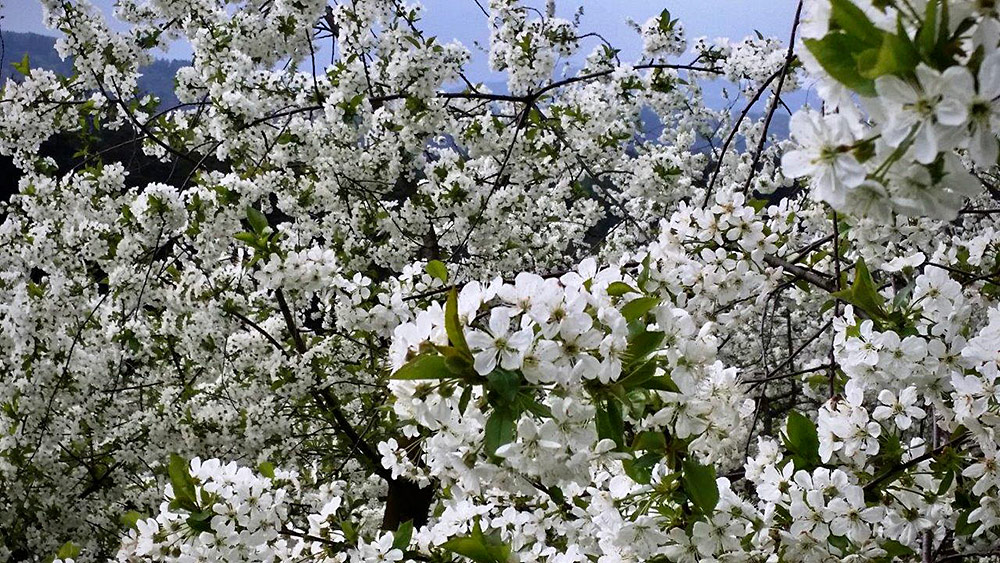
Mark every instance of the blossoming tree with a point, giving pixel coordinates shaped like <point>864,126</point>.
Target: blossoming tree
<point>387,314</point>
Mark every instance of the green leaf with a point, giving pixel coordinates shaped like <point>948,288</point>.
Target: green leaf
<point>664,21</point>
<point>617,289</point>
<point>463,401</point>
<point>24,67</point>
<point>650,441</point>
<point>257,220</point>
<point>266,469</point>
<point>661,383</point>
<point>499,429</point>
<point>802,438</point>
<point>963,527</point>
<point>249,238</point>
<point>853,20</point>
<point>639,375</point>
<point>640,469</point>
<point>457,363</point>
<point>130,519</point>
<point>469,547</point>
<point>638,307</point>
<point>895,550</point>
<point>946,481</point>
<point>610,424</point>
<point>503,387</point>
<point>942,56</point>
<point>201,515</point>
<point>837,53</point>
<point>182,483</point>
<point>863,293</point>
<point>479,547</point>
<point>69,550</point>
<point>199,525</point>
<point>528,403</point>
<point>927,34</point>
<point>401,539</point>
<point>453,326</point>
<point>642,345</point>
<point>645,272</point>
<point>437,269</point>
<point>839,542</point>
<point>350,534</point>
<point>699,482</point>
<point>895,56</point>
<point>424,366</point>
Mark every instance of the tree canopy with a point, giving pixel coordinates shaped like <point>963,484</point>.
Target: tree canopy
<point>373,310</point>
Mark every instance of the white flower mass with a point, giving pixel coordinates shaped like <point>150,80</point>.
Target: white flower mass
<point>375,311</point>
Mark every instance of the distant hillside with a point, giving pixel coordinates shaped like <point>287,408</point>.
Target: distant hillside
<point>156,79</point>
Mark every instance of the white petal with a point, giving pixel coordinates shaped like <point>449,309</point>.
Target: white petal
<point>925,147</point>
<point>850,171</point>
<point>521,339</point>
<point>486,362</point>
<point>804,127</point>
<point>511,360</point>
<point>896,131</point>
<point>795,164</point>
<point>989,76</point>
<point>951,111</point>
<point>479,340</point>
<point>929,79</point>
<point>958,83</point>
<point>983,147</point>
<point>894,90</point>
<point>499,321</point>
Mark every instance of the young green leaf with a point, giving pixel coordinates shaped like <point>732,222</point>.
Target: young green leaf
<point>24,67</point>
<point>500,429</point>
<point>266,469</point>
<point>699,483</point>
<point>453,326</point>
<point>479,547</point>
<point>863,293</point>
<point>182,483</point>
<point>437,269</point>
<point>69,550</point>
<point>802,438</point>
<point>401,538</point>
<point>257,220</point>
<point>837,53</point>
<point>638,307</point>
<point>617,289</point>
<point>895,56</point>
<point>640,469</point>
<point>424,366</point>
<point>610,424</point>
<point>852,19</point>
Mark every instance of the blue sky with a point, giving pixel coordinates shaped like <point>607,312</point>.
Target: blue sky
<point>463,20</point>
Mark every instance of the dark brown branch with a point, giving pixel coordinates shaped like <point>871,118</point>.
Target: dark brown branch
<point>773,374</point>
<point>801,272</point>
<point>891,474</point>
<point>789,56</point>
<point>732,135</point>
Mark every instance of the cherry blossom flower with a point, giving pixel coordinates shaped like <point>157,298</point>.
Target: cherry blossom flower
<point>901,410</point>
<point>499,344</point>
<point>822,152</point>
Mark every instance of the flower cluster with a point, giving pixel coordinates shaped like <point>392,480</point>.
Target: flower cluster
<point>928,99</point>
